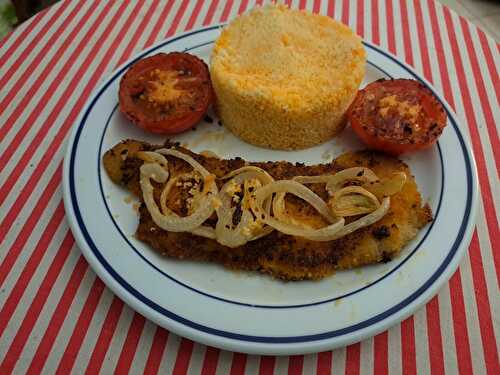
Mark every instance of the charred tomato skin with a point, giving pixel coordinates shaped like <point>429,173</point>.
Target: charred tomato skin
<point>177,72</point>
<point>397,116</point>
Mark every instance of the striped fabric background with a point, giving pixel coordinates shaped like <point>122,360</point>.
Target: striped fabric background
<point>56,316</point>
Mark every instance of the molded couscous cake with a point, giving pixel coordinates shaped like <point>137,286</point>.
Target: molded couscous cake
<point>284,78</point>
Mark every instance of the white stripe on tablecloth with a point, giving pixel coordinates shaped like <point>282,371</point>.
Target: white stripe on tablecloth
<point>309,366</point>
<point>96,322</point>
<point>366,357</point>
<point>447,333</point>
<point>421,340</point>
<point>394,350</point>
<point>338,360</point>
<point>252,364</point>
<point>169,355</point>
<point>143,347</point>
<point>367,20</point>
<point>196,361</point>
<point>398,29</point>
<point>473,328</point>
<point>489,270</point>
<point>415,45</point>
<point>119,337</point>
<point>224,363</point>
<point>382,17</point>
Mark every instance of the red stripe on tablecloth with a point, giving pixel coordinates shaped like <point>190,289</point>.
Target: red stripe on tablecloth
<point>345,12</point>
<point>259,2</point>
<point>138,33</point>
<point>29,269</point>
<point>130,345</point>
<point>243,6</point>
<point>490,62</point>
<point>210,13</point>
<point>33,313</point>
<point>295,364</point>
<point>107,332</point>
<point>194,14</point>
<point>183,357</point>
<point>238,364</point>
<point>302,4</point>
<point>422,40</point>
<point>483,308</point>
<point>6,76</point>
<point>406,32</point>
<point>23,236</point>
<point>288,3</point>
<point>352,359</point>
<point>380,353</point>
<point>156,352</point>
<point>434,340</point>
<point>266,366</point>
<point>9,183</point>
<point>58,317</point>
<point>324,363</point>
<point>316,6</point>
<point>177,18</point>
<point>33,90</point>
<point>82,325</point>
<point>211,358</point>
<point>226,11</point>
<point>28,72</point>
<point>391,37</point>
<point>330,11</point>
<point>408,352</point>
<point>485,104</point>
<point>159,23</point>
<point>375,22</point>
<point>360,12</point>
<point>487,196</point>
<point>462,345</point>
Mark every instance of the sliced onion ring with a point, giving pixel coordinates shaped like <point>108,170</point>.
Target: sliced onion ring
<point>169,220</point>
<point>293,187</point>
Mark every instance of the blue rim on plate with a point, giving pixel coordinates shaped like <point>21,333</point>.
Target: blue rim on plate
<point>268,339</point>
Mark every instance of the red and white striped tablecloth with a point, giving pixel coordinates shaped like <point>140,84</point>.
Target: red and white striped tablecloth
<point>57,316</point>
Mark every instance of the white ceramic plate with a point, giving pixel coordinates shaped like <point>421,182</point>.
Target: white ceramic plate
<point>244,311</point>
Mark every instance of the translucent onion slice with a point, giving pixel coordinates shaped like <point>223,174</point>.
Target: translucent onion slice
<point>360,174</point>
<point>293,187</point>
<point>353,200</point>
<point>169,220</point>
<point>248,228</point>
<point>387,187</point>
<point>365,221</point>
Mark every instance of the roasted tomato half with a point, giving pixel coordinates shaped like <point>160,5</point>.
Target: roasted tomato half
<point>166,93</point>
<point>397,116</point>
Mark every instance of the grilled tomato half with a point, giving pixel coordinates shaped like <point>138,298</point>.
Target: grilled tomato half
<point>397,116</point>
<point>166,93</point>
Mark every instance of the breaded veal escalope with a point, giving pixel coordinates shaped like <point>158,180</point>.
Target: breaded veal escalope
<point>279,255</point>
